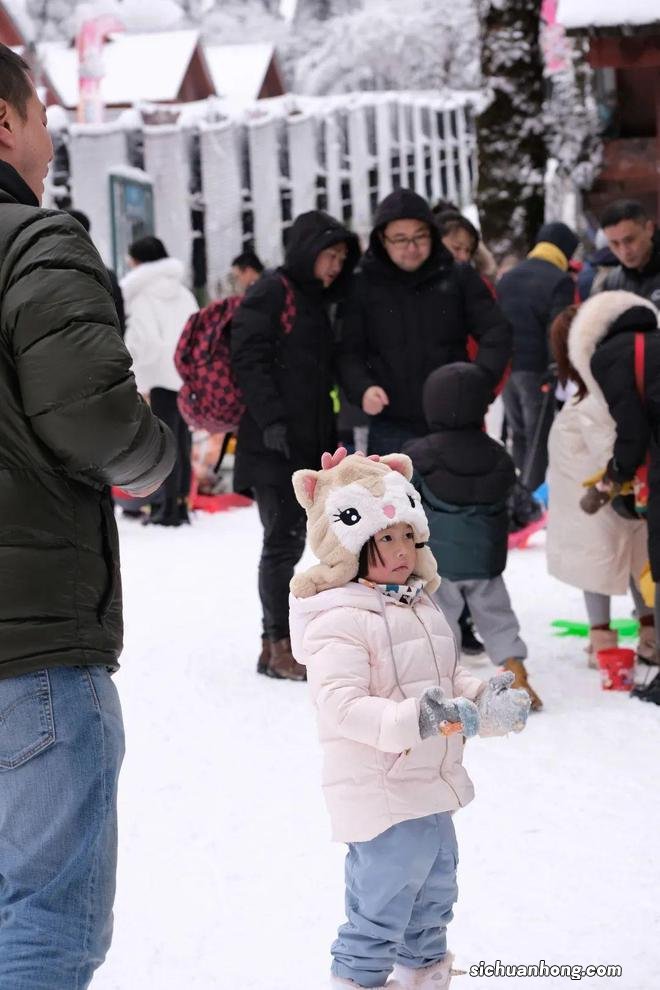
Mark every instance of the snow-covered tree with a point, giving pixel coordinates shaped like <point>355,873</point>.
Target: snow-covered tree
<point>512,148</point>
<point>572,133</point>
<point>405,44</point>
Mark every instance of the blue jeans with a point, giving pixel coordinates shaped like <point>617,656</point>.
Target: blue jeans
<point>400,891</point>
<point>61,747</point>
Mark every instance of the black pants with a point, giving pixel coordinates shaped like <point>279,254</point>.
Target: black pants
<point>163,405</point>
<point>529,419</point>
<point>284,524</point>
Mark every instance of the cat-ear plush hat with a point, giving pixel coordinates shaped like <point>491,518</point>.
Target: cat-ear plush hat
<point>348,501</point>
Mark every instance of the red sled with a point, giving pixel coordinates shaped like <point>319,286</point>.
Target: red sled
<point>519,540</point>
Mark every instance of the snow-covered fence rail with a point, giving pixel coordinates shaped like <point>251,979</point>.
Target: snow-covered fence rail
<point>249,173</point>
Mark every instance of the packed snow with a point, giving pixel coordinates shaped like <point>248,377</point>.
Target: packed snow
<point>607,13</point>
<point>227,877</point>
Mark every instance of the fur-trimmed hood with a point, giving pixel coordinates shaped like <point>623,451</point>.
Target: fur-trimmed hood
<point>592,324</point>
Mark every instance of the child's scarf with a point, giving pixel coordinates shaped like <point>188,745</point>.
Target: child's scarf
<point>405,594</point>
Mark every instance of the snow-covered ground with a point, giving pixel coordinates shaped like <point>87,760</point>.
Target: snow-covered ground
<point>227,877</point>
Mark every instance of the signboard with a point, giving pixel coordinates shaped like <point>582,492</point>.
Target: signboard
<point>131,212</point>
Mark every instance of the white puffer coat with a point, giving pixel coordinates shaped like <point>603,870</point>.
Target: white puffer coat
<point>157,307</point>
<point>368,660</point>
<point>596,553</point>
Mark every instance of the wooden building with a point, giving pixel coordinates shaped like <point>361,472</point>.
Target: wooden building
<point>624,49</point>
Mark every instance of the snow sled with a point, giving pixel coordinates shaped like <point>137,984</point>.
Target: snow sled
<point>519,539</point>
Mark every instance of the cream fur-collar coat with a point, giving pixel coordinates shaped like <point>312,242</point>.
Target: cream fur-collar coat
<point>596,553</point>
<point>368,660</point>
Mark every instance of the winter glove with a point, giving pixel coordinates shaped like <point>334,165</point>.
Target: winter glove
<point>436,713</point>
<point>502,708</point>
<point>276,439</point>
<point>601,489</point>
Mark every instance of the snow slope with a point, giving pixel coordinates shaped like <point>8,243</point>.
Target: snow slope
<point>227,877</point>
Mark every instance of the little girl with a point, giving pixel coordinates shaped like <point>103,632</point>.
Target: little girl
<point>393,708</point>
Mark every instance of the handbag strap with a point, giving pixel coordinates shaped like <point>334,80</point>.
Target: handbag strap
<point>640,354</point>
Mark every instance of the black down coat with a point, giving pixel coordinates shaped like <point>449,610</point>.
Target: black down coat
<point>287,378</point>
<point>398,326</point>
<point>72,423</point>
<point>465,477</point>
<point>637,420</point>
<point>531,295</point>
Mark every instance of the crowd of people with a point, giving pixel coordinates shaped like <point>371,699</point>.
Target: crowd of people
<point>421,335</point>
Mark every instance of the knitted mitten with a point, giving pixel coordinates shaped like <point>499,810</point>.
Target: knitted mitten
<point>502,709</point>
<point>435,709</point>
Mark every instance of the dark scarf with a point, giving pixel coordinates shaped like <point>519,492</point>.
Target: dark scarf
<point>16,187</point>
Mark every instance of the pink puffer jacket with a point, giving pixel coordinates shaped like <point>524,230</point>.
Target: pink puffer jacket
<point>368,660</point>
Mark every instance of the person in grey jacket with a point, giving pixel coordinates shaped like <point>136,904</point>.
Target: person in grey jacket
<point>72,425</point>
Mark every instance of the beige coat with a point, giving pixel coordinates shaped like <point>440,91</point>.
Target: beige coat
<point>595,553</point>
<point>368,661</point>
<point>599,552</point>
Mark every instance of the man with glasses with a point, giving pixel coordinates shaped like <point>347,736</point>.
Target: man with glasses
<point>411,311</point>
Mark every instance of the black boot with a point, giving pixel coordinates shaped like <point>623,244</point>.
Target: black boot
<point>182,508</point>
<point>648,692</point>
<point>470,645</point>
<point>166,513</point>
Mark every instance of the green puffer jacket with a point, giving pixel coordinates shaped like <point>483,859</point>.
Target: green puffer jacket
<point>71,424</point>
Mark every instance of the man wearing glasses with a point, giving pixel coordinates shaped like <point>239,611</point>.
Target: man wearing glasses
<point>411,311</point>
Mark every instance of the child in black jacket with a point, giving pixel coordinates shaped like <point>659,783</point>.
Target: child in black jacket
<point>465,478</point>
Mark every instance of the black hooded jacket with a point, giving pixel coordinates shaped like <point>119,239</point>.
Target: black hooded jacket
<point>465,477</point>
<point>288,378</point>
<point>637,417</point>
<point>72,423</point>
<point>645,282</point>
<point>398,326</point>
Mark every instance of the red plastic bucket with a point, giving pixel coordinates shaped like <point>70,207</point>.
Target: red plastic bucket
<point>616,669</point>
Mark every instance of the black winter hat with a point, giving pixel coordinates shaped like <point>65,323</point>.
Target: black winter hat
<point>561,236</point>
<point>456,396</point>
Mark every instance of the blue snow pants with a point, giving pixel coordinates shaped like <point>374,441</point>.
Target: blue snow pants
<point>400,890</point>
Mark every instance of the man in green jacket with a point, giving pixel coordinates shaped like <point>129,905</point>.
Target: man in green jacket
<point>71,424</point>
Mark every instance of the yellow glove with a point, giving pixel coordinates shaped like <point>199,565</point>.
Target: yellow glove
<point>647,586</point>
<point>594,479</point>
<point>626,487</point>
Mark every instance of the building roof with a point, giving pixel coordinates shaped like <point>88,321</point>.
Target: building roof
<point>17,11</point>
<point>149,67</point>
<point>239,71</point>
<point>582,15</point>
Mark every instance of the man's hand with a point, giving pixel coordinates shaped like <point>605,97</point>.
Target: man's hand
<point>374,400</point>
<point>276,439</point>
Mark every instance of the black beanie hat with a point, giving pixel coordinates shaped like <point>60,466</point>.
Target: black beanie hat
<point>561,236</point>
<point>635,318</point>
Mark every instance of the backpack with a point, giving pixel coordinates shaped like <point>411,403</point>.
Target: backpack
<point>209,398</point>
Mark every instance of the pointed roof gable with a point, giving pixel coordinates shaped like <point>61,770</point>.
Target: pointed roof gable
<point>149,67</point>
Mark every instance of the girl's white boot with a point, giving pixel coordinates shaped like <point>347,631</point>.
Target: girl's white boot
<point>435,977</point>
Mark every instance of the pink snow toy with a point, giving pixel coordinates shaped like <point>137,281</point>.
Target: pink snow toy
<point>521,537</point>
